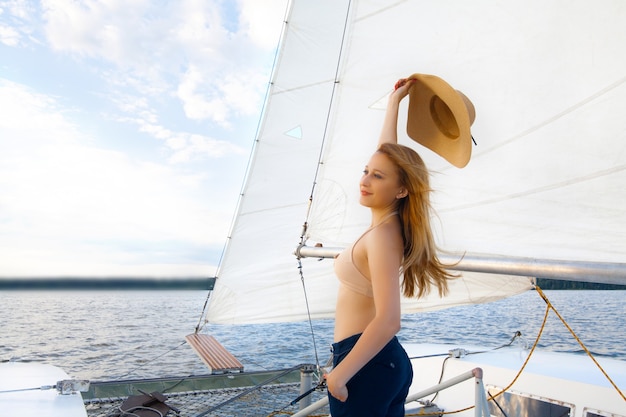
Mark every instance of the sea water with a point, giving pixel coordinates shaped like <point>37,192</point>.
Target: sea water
<point>103,335</point>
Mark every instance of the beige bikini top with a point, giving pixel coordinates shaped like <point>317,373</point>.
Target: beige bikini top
<point>347,272</point>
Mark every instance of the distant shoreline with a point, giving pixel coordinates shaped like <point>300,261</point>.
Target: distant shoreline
<point>554,284</point>
<point>49,284</point>
<point>204,284</point>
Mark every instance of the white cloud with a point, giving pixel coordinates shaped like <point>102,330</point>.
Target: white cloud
<point>183,49</point>
<point>234,94</point>
<point>183,146</point>
<point>254,16</point>
<point>18,9</point>
<point>239,91</point>
<point>198,28</point>
<point>24,114</point>
<point>200,104</point>
<point>188,148</point>
<point>74,196</point>
<point>111,29</point>
<point>60,197</point>
<point>9,36</point>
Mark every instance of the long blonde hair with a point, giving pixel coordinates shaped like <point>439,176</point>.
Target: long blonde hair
<point>420,265</point>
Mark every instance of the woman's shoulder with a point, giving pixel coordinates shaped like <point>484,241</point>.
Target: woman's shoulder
<point>387,235</point>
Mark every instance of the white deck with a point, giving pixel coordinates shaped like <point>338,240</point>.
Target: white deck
<point>36,403</point>
<point>569,379</point>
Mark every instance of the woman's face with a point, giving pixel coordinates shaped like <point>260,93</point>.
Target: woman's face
<point>380,184</point>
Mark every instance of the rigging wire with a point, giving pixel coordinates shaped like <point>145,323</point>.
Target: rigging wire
<point>303,234</point>
<point>549,307</point>
<point>40,388</point>
<point>545,318</point>
<point>308,311</point>
<point>460,353</point>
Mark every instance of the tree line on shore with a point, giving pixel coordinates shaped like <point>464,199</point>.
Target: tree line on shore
<point>553,284</point>
<point>208,283</point>
<point>106,283</point>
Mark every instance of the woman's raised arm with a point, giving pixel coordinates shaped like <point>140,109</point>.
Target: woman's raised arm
<point>389,132</point>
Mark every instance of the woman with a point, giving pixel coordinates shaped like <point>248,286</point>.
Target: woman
<point>372,372</point>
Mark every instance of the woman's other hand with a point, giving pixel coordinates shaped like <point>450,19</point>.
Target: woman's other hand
<point>336,388</point>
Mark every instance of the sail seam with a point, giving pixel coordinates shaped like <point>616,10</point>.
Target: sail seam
<point>330,106</point>
<point>554,118</point>
<point>538,190</point>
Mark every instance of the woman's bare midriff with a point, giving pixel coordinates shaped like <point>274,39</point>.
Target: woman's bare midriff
<point>347,322</point>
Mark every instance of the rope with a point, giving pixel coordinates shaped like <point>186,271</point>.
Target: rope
<point>541,293</point>
<point>42,388</point>
<point>200,325</point>
<point>545,317</point>
<point>308,312</point>
<point>320,164</point>
<point>549,307</point>
<point>303,234</point>
<point>532,350</point>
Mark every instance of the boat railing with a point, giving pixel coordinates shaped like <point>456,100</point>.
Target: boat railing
<point>481,408</point>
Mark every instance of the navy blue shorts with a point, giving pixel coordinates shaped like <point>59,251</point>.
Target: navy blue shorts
<point>380,387</point>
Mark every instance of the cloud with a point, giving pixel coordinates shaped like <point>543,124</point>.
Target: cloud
<point>106,132</point>
<point>212,56</point>
<point>9,36</point>
<point>254,17</point>
<point>181,146</point>
<point>200,104</point>
<point>183,46</point>
<point>234,94</point>
<point>112,30</point>
<point>16,22</point>
<point>30,117</point>
<point>64,200</point>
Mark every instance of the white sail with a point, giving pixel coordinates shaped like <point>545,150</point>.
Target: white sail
<point>548,80</point>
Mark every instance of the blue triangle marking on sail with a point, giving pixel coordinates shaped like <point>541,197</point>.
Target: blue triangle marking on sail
<point>296,132</point>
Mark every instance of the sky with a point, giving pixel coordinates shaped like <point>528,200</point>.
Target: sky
<point>125,130</point>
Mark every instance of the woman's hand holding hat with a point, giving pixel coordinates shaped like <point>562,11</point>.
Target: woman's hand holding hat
<point>401,89</point>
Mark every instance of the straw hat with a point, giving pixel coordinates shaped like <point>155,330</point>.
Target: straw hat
<point>440,118</point>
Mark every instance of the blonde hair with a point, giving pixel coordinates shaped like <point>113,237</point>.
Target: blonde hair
<point>420,265</point>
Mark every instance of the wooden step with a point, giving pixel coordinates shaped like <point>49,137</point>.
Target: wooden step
<point>213,354</point>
